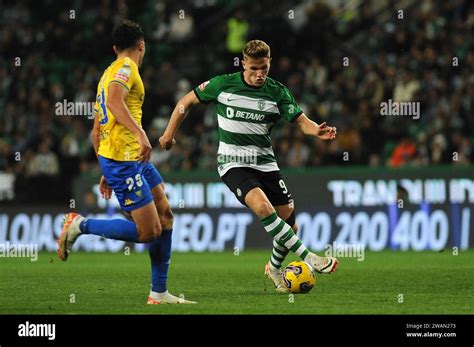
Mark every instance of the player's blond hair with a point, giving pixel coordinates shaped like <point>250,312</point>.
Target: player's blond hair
<point>256,49</point>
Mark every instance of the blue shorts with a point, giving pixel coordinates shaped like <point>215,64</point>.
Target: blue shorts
<point>131,181</point>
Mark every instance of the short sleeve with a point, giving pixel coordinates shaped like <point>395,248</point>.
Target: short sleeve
<point>209,91</point>
<point>123,73</point>
<point>289,109</point>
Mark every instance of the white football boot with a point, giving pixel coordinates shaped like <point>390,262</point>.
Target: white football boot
<point>322,265</point>
<point>69,234</point>
<point>155,298</point>
<point>276,276</point>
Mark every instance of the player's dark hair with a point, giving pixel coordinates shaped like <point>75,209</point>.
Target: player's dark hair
<point>127,34</point>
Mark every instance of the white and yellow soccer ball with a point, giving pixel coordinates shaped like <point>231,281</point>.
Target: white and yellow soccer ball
<point>299,277</point>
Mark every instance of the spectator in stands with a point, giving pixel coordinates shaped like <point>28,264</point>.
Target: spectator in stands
<point>410,60</point>
<point>404,153</point>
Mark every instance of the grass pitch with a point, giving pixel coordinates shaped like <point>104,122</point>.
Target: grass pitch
<point>384,283</point>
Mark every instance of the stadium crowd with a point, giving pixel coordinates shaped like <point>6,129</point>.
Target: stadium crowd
<point>52,52</point>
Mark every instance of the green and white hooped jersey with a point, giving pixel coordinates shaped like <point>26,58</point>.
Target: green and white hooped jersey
<point>246,115</point>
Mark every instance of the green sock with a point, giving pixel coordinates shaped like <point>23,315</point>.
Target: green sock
<point>284,235</point>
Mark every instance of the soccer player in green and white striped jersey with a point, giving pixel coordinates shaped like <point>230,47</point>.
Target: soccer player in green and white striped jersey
<point>248,104</point>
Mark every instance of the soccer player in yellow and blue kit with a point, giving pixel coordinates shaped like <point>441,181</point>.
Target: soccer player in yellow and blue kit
<point>123,151</point>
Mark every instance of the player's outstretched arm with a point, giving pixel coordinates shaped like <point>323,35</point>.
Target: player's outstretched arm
<point>308,127</point>
<point>177,117</point>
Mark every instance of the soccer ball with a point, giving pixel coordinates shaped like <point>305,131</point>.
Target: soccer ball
<point>299,277</point>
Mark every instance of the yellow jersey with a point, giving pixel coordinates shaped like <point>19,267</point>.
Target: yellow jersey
<point>116,141</point>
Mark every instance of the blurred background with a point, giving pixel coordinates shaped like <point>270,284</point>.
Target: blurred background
<point>407,59</point>
<point>420,51</point>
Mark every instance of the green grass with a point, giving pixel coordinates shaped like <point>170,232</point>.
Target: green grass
<point>222,283</point>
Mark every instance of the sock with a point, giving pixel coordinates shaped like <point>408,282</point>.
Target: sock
<point>160,256</point>
<point>284,235</point>
<point>279,254</point>
<point>117,229</point>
